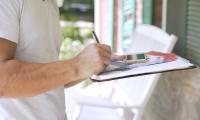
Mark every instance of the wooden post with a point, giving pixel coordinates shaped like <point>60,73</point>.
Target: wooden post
<point>115,31</point>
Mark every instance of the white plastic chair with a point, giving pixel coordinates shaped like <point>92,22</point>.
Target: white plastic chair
<point>130,95</point>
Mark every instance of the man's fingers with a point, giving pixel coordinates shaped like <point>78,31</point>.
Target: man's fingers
<point>106,61</point>
<point>104,47</point>
<point>105,54</point>
<point>105,58</point>
<point>118,57</point>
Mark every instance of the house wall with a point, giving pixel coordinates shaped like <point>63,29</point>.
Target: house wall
<point>177,94</point>
<point>176,22</point>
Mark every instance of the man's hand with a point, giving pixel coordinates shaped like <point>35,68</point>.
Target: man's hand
<point>92,60</point>
<point>115,57</point>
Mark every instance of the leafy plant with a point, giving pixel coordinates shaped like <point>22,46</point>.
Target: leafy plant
<point>73,42</point>
<point>73,33</point>
<point>70,49</point>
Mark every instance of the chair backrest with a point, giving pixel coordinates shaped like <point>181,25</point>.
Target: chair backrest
<point>147,38</point>
<point>137,90</point>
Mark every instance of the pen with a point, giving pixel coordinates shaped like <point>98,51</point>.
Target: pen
<point>95,36</point>
<point>120,64</point>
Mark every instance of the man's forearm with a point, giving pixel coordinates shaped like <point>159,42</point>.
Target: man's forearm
<point>22,79</point>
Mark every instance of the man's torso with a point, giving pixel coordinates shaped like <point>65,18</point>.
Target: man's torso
<point>39,42</point>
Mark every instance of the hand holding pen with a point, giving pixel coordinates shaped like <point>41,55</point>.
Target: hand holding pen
<point>114,58</point>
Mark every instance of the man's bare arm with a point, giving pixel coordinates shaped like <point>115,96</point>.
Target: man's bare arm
<point>20,79</point>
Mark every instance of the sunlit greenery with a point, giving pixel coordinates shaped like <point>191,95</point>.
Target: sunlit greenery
<point>70,12</point>
<point>73,41</point>
<point>70,49</point>
<point>74,36</point>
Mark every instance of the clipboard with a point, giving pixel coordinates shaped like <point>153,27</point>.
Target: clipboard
<point>177,65</point>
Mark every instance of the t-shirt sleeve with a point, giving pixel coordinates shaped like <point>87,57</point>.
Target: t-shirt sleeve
<point>9,20</point>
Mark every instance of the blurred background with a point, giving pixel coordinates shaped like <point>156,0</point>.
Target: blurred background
<point>77,21</point>
<point>176,96</point>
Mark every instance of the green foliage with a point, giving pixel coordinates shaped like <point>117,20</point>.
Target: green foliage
<point>70,15</point>
<point>73,15</point>
<point>78,1</point>
<point>70,49</point>
<point>73,42</point>
<point>72,33</point>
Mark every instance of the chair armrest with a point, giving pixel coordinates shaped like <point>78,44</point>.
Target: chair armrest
<point>98,102</point>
